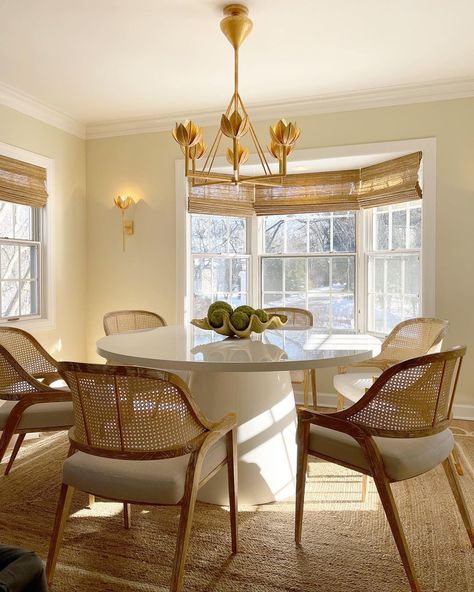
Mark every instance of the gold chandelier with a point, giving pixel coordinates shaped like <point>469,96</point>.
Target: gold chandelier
<point>235,124</point>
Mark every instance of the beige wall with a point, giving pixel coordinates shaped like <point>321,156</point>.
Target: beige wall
<point>68,338</point>
<point>145,275</point>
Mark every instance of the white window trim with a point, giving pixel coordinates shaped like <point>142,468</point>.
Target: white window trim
<point>388,149</point>
<point>47,320</point>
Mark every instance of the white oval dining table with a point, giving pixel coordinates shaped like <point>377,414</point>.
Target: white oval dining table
<point>250,377</point>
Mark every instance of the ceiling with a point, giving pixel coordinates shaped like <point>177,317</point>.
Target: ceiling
<point>106,60</point>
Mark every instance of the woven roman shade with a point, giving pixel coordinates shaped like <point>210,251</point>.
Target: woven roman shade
<point>23,183</point>
<point>221,200</point>
<point>390,182</point>
<point>310,192</point>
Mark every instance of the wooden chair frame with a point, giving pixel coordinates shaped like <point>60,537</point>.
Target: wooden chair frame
<point>38,392</point>
<point>116,313</point>
<point>363,434</point>
<point>198,447</point>
<point>309,375</point>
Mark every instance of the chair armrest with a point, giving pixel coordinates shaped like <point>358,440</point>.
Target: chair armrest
<point>33,397</point>
<point>333,421</point>
<point>218,430</point>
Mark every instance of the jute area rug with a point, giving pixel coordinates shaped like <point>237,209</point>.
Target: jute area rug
<point>347,545</point>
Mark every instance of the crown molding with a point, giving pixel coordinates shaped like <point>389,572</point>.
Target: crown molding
<point>28,105</point>
<point>331,103</point>
<point>441,90</point>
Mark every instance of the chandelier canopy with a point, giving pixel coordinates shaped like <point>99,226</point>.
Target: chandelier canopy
<point>235,124</point>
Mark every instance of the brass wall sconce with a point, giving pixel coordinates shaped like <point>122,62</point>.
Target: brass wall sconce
<point>124,202</point>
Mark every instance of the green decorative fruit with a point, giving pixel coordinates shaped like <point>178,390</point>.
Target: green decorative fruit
<point>248,310</point>
<point>219,305</point>
<point>216,318</point>
<point>240,320</point>
<point>262,315</point>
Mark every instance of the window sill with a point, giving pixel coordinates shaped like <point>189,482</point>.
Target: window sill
<point>30,324</point>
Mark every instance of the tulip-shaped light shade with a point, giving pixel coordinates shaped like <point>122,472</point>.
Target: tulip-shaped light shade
<point>187,134</point>
<point>242,155</point>
<point>283,135</point>
<point>235,126</point>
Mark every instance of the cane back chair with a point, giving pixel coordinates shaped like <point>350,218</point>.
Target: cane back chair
<point>28,405</point>
<point>299,318</point>
<point>121,321</point>
<point>138,437</point>
<point>398,430</point>
<point>30,354</point>
<point>408,339</point>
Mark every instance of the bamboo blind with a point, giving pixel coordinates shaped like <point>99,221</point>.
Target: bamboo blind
<point>390,182</point>
<point>23,183</point>
<point>221,200</point>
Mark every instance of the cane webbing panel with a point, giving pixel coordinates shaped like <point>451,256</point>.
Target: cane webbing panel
<point>409,339</point>
<point>297,317</point>
<point>23,183</point>
<point>26,351</point>
<point>121,321</point>
<point>11,379</point>
<point>415,398</point>
<point>130,413</point>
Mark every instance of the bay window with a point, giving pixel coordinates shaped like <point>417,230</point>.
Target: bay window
<point>314,261</point>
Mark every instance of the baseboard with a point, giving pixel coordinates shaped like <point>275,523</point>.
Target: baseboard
<point>330,400</point>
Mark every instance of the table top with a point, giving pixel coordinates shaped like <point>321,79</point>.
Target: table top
<point>190,348</point>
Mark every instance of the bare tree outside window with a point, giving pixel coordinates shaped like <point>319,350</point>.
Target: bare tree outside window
<point>19,260</point>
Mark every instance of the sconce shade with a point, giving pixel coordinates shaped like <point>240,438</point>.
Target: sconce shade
<point>123,201</point>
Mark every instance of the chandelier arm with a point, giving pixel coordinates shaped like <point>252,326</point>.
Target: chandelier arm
<point>215,152</point>
<point>261,154</point>
<point>219,133</point>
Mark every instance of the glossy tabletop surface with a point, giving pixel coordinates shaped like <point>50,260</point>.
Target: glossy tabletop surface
<point>190,348</point>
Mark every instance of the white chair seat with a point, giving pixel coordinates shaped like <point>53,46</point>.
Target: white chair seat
<point>143,481</point>
<point>353,385</point>
<point>40,416</point>
<point>403,457</point>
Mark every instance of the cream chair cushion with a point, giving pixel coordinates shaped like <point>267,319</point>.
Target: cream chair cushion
<point>353,385</point>
<point>40,416</point>
<point>403,457</point>
<point>143,481</point>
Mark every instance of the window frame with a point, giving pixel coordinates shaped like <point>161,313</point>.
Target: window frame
<point>45,319</point>
<point>307,156</point>
<point>211,255</point>
<point>261,255</point>
<point>370,251</point>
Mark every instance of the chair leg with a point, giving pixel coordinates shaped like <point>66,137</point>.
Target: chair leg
<point>457,461</point>
<point>365,480</point>
<point>62,512</point>
<point>301,467</point>
<point>305,388</point>
<point>231,444</point>
<point>127,515</point>
<point>16,448</point>
<point>91,500</point>
<point>388,502</point>
<point>340,402</point>
<point>459,497</point>
<point>184,529</point>
<point>313,388</point>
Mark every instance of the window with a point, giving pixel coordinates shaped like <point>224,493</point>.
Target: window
<point>308,262</point>
<point>20,256</point>
<point>220,261</point>
<point>314,261</point>
<point>394,266</point>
